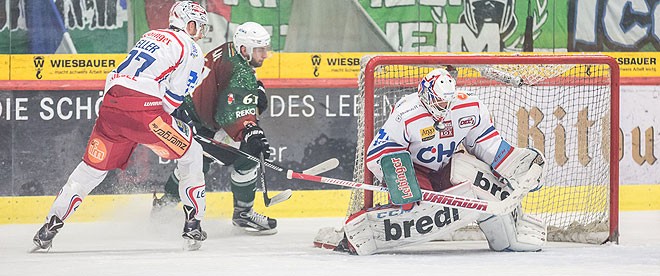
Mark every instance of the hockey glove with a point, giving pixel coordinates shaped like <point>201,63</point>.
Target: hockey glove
<point>182,115</point>
<point>254,141</point>
<point>262,101</point>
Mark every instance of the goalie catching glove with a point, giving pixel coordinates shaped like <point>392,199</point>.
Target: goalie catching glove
<point>519,168</point>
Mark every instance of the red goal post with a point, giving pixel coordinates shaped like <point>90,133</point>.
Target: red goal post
<point>567,106</point>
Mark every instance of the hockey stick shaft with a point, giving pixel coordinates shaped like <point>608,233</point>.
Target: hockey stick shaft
<point>320,168</point>
<point>284,195</point>
<point>262,179</point>
<point>471,204</point>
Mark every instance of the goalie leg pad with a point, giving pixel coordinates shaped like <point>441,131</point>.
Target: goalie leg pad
<point>388,227</point>
<point>517,232</point>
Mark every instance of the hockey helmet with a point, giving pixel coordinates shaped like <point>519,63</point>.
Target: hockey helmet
<point>436,92</point>
<point>251,35</point>
<point>185,11</point>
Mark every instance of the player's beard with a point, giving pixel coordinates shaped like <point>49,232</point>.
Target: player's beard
<point>256,64</point>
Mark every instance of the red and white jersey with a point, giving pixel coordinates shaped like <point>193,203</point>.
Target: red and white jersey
<point>411,128</point>
<point>165,63</point>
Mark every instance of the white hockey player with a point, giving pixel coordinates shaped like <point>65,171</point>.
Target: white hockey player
<point>162,67</point>
<point>426,128</point>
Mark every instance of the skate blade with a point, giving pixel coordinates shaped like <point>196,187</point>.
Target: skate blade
<point>254,232</point>
<point>38,249</point>
<point>191,245</point>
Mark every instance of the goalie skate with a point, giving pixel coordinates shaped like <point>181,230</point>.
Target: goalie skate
<point>328,237</point>
<point>43,239</point>
<point>254,223</point>
<point>333,239</point>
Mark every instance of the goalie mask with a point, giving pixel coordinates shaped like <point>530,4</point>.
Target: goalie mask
<point>185,11</point>
<point>436,91</point>
<point>253,36</point>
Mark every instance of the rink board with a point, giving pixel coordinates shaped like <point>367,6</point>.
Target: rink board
<point>303,204</point>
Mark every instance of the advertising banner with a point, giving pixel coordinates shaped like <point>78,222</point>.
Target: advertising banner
<point>278,66</point>
<point>45,135</point>
<point>64,67</point>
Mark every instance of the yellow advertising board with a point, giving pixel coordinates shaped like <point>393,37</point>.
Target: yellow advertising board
<point>4,67</point>
<point>637,64</point>
<point>347,65</point>
<point>64,67</point>
<point>311,66</point>
<point>278,66</point>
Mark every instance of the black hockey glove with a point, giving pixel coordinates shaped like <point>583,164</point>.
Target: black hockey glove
<point>262,102</point>
<point>254,141</point>
<point>183,115</point>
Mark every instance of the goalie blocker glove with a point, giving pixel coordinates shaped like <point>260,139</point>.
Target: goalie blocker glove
<point>254,141</point>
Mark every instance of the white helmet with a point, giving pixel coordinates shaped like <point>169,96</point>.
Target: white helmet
<point>436,92</point>
<point>185,11</point>
<point>251,35</point>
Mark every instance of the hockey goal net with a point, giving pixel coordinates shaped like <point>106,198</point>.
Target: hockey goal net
<point>565,106</point>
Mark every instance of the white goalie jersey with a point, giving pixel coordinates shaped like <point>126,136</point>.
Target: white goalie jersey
<point>431,145</point>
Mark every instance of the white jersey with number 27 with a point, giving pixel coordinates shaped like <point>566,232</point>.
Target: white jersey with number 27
<point>165,63</point>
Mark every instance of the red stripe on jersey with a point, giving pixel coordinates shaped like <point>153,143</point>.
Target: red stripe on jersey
<point>384,151</point>
<point>495,133</point>
<point>420,116</point>
<point>173,103</point>
<point>173,67</point>
<point>465,105</point>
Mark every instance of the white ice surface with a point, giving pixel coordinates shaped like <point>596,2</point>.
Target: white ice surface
<point>135,245</point>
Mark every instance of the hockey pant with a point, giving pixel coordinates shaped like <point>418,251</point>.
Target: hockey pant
<point>389,227</point>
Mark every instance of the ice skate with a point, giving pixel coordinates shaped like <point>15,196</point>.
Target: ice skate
<point>193,234</point>
<point>254,223</point>
<point>164,201</point>
<point>43,239</point>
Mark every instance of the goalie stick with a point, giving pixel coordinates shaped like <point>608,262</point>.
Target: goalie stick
<point>482,206</point>
<point>322,167</point>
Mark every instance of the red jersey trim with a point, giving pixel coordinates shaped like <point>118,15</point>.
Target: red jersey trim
<point>465,105</point>
<point>173,67</point>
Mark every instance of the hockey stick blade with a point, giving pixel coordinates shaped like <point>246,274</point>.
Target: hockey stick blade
<point>278,198</point>
<point>482,206</point>
<point>322,167</point>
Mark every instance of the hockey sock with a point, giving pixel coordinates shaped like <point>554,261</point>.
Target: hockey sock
<point>172,184</point>
<point>243,185</point>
